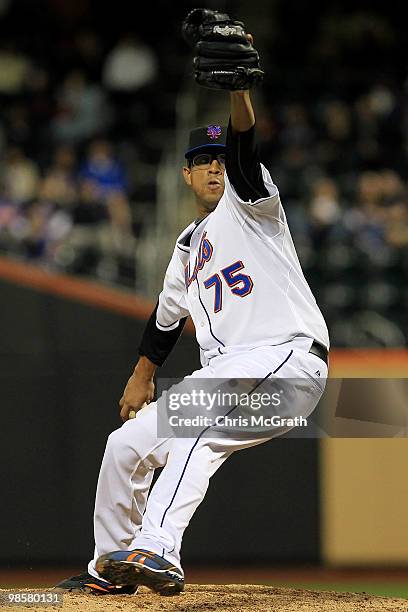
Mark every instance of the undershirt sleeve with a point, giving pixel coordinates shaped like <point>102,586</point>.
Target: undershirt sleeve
<point>243,165</point>
<point>157,344</point>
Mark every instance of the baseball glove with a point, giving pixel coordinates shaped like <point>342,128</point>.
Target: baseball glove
<point>224,57</point>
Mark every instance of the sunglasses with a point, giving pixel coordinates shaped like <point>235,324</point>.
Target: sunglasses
<point>204,160</point>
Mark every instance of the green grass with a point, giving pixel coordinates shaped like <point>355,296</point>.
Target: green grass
<point>386,589</point>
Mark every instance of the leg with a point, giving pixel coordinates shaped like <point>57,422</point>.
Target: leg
<point>132,453</point>
<point>176,495</point>
<point>154,560</point>
<point>190,464</point>
<point>179,490</point>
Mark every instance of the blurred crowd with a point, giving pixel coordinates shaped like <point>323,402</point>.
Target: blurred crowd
<point>340,170</point>
<point>71,216</point>
<point>81,135</point>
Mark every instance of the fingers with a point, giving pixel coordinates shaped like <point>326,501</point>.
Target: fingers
<point>138,393</point>
<point>129,412</point>
<point>250,38</point>
<point>124,412</point>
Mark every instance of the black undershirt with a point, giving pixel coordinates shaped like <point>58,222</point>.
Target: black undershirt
<point>243,166</point>
<point>156,344</point>
<point>245,174</point>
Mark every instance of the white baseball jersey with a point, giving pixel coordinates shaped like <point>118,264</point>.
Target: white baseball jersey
<point>240,278</point>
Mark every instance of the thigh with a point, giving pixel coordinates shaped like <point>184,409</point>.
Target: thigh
<point>288,371</point>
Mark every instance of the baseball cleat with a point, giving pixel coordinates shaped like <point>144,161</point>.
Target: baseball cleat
<point>85,583</point>
<point>141,567</point>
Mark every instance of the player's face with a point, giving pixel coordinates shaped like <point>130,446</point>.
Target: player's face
<point>207,182</point>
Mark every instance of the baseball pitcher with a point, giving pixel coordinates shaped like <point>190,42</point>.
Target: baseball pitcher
<point>235,271</point>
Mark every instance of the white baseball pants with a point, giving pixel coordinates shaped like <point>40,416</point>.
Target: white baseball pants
<point>125,516</point>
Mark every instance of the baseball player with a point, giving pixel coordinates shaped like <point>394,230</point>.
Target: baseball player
<point>235,270</point>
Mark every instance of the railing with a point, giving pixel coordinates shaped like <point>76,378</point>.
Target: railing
<point>157,241</point>
<point>174,207</point>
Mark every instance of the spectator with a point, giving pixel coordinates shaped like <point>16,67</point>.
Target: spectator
<point>89,209</point>
<point>20,176</point>
<point>297,130</point>
<point>364,220</point>
<point>335,148</point>
<point>59,185</point>
<point>40,106</point>
<point>55,189</point>
<point>103,168</point>
<point>129,66</point>
<point>397,223</point>
<point>90,53</point>
<point>41,229</point>
<point>117,243</point>
<point>128,71</point>
<point>14,67</point>
<point>116,235</point>
<point>8,217</point>
<point>82,110</point>
<point>324,210</point>
<point>392,186</point>
<point>18,126</point>
<point>80,251</point>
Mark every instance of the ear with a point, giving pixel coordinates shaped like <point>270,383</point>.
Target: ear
<point>187,175</point>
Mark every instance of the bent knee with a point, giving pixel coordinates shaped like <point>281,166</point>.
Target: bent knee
<point>119,440</point>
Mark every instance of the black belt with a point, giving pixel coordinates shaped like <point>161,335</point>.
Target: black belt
<point>320,351</point>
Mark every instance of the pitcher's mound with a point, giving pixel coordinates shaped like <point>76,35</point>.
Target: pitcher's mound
<point>225,598</point>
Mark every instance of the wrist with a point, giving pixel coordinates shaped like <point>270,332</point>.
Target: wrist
<point>145,368</point>
<point>242,112</point>
<point>239,93</point>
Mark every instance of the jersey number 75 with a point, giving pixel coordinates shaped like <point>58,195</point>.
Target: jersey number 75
<point>240,284</point>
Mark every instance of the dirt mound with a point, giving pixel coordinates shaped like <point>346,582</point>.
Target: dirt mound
<point>223,598</point>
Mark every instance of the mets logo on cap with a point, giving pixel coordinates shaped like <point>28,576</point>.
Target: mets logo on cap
<point>214,131</point>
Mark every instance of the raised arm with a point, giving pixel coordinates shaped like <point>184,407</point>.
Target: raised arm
<point>242,112</point>
<point>242,159</point>
<point>224,58</point>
